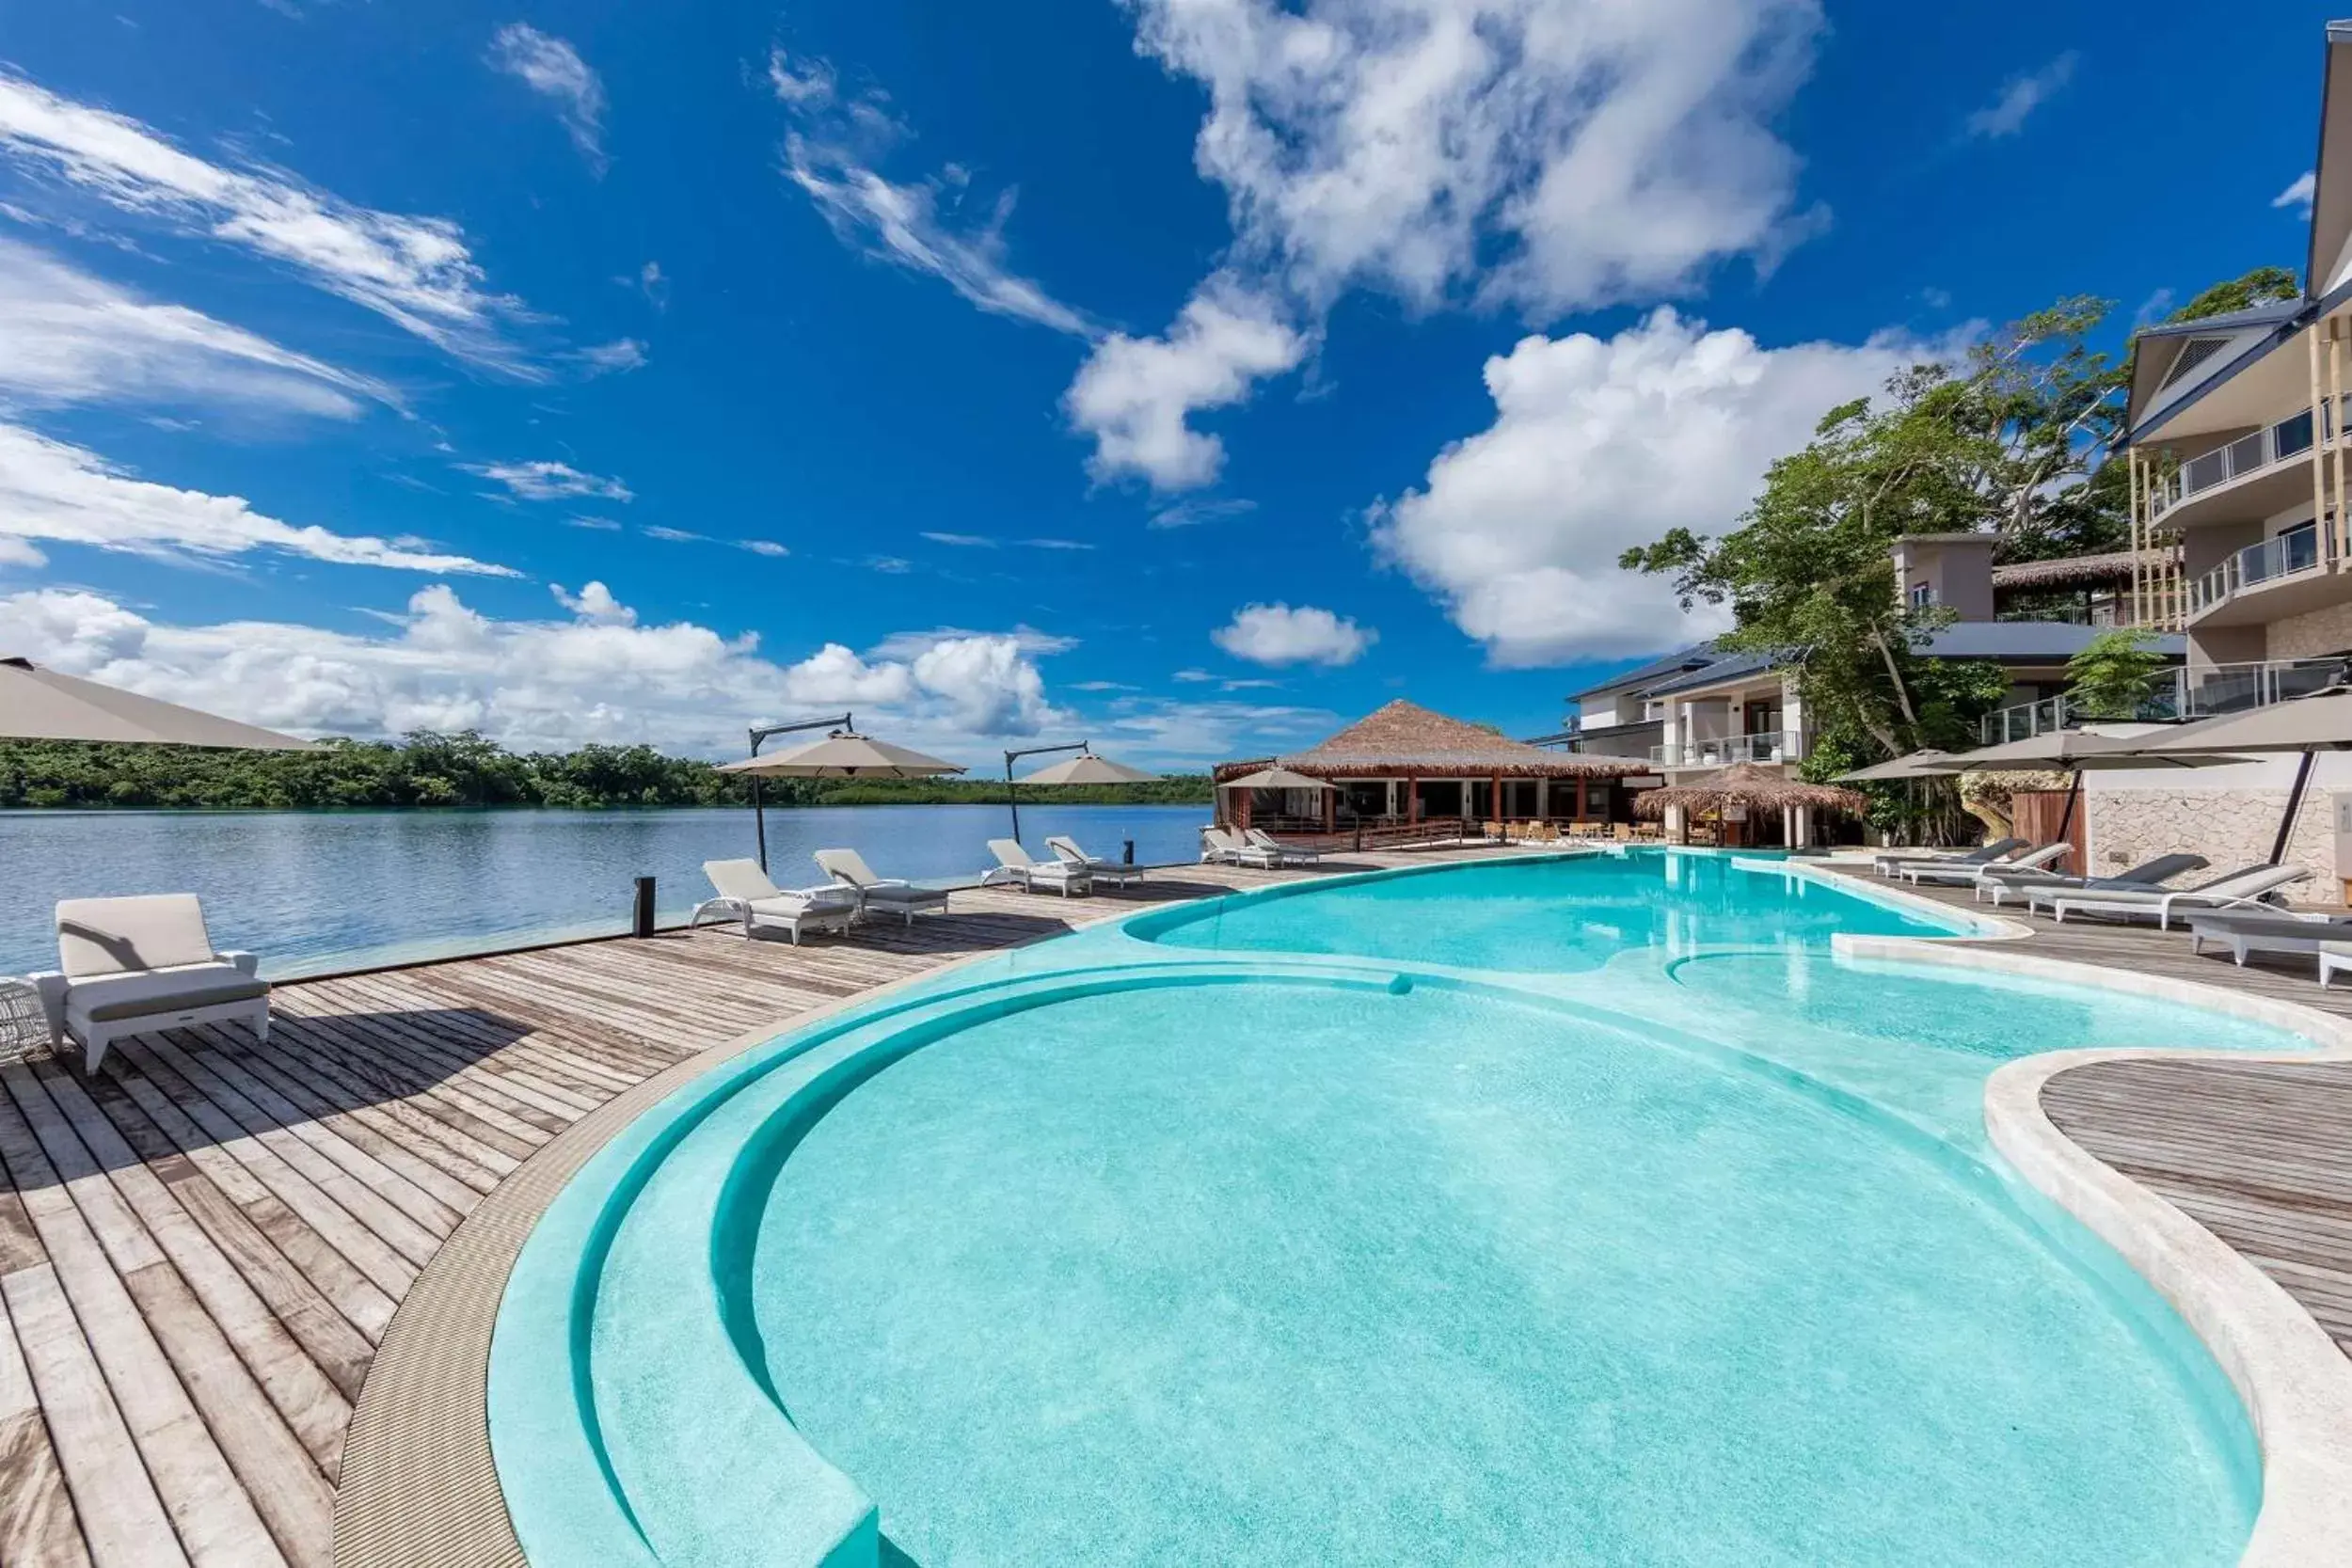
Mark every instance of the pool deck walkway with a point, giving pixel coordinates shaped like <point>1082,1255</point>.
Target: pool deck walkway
<point>201,1249</point>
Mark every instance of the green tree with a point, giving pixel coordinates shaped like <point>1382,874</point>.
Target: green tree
<point>2115,674</point>
<point>2261,286</point>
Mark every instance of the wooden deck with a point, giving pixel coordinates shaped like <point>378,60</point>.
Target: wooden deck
<point>201,1249</point>
<point>2259,1153</point>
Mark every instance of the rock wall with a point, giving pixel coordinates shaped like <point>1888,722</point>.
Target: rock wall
<point>2230,828</point>
<point>2313,634</point>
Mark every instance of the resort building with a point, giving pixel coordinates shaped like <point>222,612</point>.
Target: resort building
<point>1404,768</point>
<point>2239,468</point>
<point>1703,708</point>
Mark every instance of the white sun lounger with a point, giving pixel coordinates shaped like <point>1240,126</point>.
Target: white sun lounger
<point>1066,848</point>
<point>2246,886</point>
<point>1232,850</point>
<point>745,893</point>
<point>2001,884</point>
<point>1289,854</point>
<point>132,966</point>
<point>2245,931</point>
<point>1015,865</point>
<point>1961,875</point>
<point>890,894</point>
<point>1891,865</point>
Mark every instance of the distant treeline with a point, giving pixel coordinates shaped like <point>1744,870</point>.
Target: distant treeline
<point>427,769</point>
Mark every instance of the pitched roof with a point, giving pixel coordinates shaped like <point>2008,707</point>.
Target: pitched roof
<point>2074,570</point>
<point>1405,737</point>
<point>1697,655</point>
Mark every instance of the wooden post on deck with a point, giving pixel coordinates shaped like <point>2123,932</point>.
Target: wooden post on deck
<point>1581,815</point>
<point>1330,810</point>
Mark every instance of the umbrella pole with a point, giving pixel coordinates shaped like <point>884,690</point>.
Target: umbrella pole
<point>1012,799</point>
<point>2066,818</point>
<point>2295,809</point>
<point>760,823</point>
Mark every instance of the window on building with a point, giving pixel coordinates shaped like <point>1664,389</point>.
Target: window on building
<point>1921,596</point>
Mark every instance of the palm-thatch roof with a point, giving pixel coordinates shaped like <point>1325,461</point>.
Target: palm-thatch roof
<point>1749,784</point>
<point>2083,571</point>
<point>1403,739</point>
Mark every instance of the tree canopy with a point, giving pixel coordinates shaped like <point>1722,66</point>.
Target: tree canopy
<point>428,768</point>
<point>2010,440</point>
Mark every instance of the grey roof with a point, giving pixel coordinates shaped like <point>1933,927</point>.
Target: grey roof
<point>1722,670</point>
<point>2205,327</point>
<point>1696,656</point>
<point>2031,641</point>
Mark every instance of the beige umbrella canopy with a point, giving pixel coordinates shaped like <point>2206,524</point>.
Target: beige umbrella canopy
<point>1275,778</point>
<point>845,755</point>
<point>1927,764</point>
<point>43,704</point>
<point>1088,769</point>
<point>1748,785</point>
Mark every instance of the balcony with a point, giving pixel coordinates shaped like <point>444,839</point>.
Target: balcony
<point>2244,458</point>
<point>1723,750</point>
<point>2205,693</point>
<point>2280,577</point>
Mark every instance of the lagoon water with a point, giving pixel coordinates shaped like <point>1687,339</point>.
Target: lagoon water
<point>319,891</point>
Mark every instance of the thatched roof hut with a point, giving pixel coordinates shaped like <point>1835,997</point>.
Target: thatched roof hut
<point>1404,739</point>
<point>1750,786</point>
<point>2083,571</point>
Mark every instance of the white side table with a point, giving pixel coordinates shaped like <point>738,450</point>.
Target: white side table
<point>23,1024</point>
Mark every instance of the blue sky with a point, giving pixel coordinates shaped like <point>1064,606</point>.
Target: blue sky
<point>1190,374</point>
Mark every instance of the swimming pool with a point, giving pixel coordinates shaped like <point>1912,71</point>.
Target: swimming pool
<point>1355,1223</point>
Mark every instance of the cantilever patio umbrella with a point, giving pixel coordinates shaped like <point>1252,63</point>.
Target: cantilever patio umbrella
<point>1927,764</point>
<point>2077,753</point>
<point>1084,768</point>
<point>2320,723</point>
<point>844,753</point>
<point>45,704</point>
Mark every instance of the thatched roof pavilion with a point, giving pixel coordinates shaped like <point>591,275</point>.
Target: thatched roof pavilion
<point>2083,571</point>
<point>1747,785</point>
<point>1404,739</point>
<point>1407,763</point>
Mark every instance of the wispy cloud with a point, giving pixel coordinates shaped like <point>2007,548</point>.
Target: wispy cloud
<point>1053,544</point>
<point>547,481</point>
<point>924,226</point>
<point>53,492</point>
<point>2021,96</point>
<point>962,541</point>
<point>1192,513</point>
<point>416,272</point>
<point>1027,639</point>
<point>620,354</point>
<point>2300,195</point>
<point>69,337</point>
<point>553,69</point>
<point>685,536</point>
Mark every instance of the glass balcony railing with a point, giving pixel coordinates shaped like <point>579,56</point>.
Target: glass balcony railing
<point>2204,693</point>
<point>2292,553</point>
<point>2290,437</point>
<point>1723,750</point>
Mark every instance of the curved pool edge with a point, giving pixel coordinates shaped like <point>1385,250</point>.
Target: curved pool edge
<point>1966,925</point>
<point>2294,1381</point>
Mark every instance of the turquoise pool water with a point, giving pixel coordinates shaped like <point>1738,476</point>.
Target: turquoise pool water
<point>1687,1250</point>
<point>1549,916</point>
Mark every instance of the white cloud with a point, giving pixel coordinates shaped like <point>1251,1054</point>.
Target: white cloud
<point>922,225</point>
<point>597,673</point>
<point>684,536</point>
<point>546,480</point>
<point>1175,736</point>
<point>1053,545</point>
<point>413,271</point>
<point>2020,97</point>
<point>553,69</point>
<point>1133,395</point>
<point>69,337</point>
<point>1027,639</point>
<point>51,491</point>
<point>654,284</point>
<point>1192,677</point>
<point>595,603</point>
<point>1599,445</point>
<point>1276,634</point>
<point>1192,513</point>
<point>962,541</point>
<point>600,525</point>
<point>2300,195</point>
<point>1559,153</point>
<point>16,553</point>
<point>622,354</point>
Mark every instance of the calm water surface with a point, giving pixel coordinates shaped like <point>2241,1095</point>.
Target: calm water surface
<point>321,891</point>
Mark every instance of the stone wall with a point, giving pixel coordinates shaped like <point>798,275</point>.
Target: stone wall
<point>2313,634</point>
<point>2231,828</point>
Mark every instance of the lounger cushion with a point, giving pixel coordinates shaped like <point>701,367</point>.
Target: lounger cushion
<point>919,896</point>
<point>110,998</point>
<point>114,936</point>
